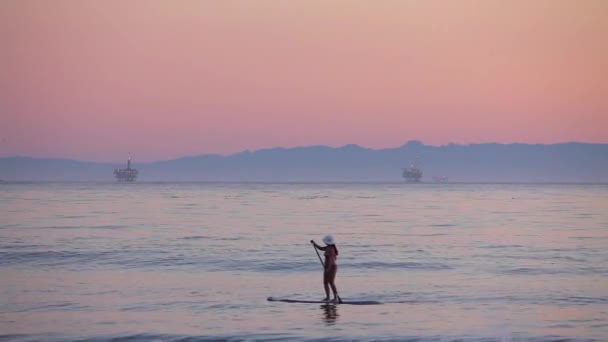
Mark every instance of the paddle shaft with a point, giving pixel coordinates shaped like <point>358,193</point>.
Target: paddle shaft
<point>319,255</point>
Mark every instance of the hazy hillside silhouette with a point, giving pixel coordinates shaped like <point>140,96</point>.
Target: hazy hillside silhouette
<point>568,162</point>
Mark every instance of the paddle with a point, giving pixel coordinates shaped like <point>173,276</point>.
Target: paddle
<point>323,264</point>
<point>319,255</point>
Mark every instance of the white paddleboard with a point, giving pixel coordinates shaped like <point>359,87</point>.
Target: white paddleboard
<point>351,302</point>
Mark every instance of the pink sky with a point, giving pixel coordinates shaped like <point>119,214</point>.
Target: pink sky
<point>94,80</point>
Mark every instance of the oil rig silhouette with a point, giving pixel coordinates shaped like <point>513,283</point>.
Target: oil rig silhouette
<point>126,175</point>
<point>412,174</point>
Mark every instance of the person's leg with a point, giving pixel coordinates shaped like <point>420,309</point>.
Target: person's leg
<point>326,284</point>
<point>332,282</point>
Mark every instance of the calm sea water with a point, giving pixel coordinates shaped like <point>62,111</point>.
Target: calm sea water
<point>183,262</point>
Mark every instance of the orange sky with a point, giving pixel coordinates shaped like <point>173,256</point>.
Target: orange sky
<point>94,80</point>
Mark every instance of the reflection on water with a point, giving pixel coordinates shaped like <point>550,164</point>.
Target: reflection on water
<point>330,313</point>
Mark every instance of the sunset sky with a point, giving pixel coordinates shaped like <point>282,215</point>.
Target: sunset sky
<point>94,80</point>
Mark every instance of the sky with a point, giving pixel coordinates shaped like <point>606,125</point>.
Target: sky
<point>95,80</point>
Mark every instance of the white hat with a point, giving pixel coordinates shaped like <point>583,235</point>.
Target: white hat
<point>329,240</point>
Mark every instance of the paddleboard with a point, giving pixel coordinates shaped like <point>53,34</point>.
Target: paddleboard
<point>351,302</point>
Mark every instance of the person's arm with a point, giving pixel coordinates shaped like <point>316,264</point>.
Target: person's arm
<point>317,246</point>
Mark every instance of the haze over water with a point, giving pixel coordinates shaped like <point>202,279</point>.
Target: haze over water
<point>172,261</point>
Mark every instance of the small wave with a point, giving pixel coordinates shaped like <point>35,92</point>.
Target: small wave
<point>233,196</point>
<point>228,306</point>
<point>196,237</point>
<point>443,225</point>
<point>501,246</point>
<point>265,266</point>
<point>82,227</point>
<point>400,265</point>
<point>55,306</point>
<point>528,257</point>
<point>589,237</point>
<point>72,216</point>
<point>172,261</point>
<point>58,227</point>
<point>562,326</point>
<point>106,227</point>
<point>569,258</point>
<point>100,293</point>
<point>149,307</point>
<point>311,197</point>
<point>201,237</point>
<point>531,271</point>
<point>48,258</point>
<point>10,226</point>
<point>19,245</point>
<point>583,300</point>
<point>553,271</point>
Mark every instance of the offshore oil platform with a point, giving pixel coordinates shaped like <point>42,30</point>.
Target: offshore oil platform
<point>412,174</point>
<point>126,175</point>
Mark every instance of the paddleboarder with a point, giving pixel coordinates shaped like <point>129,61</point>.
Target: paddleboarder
<point>330,266</point>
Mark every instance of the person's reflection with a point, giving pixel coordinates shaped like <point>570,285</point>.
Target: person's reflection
<point>330,313</point>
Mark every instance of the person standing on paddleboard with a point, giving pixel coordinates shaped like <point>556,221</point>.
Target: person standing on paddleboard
<point>330,266</point>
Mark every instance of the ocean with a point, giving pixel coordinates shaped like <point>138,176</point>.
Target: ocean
<point>197,261</point>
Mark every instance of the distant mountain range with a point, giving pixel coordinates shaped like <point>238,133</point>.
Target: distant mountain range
<point>567,162</point>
